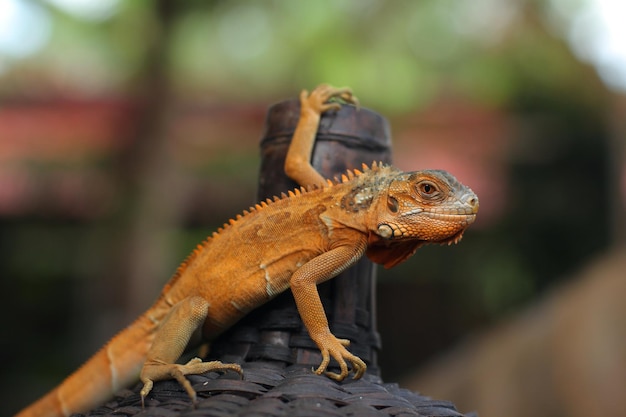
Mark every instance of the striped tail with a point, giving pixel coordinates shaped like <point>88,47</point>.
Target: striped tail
<point>116,365</point>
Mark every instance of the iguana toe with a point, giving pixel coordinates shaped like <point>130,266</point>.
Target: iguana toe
<point>158,372</point>
<point>337,349</point>
<point>325,98</point>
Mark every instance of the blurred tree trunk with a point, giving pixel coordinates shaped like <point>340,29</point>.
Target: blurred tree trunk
<point>617,156</point>
<point>134,259</point>
<point>148,173</point>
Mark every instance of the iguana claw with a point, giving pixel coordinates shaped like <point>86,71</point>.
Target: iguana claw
<point>157,372</point>
<point>339,352</point>
<point>321,99</point>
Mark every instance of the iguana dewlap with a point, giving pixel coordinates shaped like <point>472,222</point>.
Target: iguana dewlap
<point>297,242</point>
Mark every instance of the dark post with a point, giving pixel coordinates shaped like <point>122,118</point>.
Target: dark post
<point>346,139</point>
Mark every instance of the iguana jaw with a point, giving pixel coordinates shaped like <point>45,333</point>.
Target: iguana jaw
<point>454,239</point>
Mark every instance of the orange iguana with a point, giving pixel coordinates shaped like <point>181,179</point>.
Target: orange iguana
<point>299,240</point>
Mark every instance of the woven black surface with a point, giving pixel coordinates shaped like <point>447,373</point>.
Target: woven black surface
<point>271,389</point>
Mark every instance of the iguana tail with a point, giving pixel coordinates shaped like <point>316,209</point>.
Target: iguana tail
<point>116,365</point>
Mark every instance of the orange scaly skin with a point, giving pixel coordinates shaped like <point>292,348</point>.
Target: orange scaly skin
<point>299,240</point>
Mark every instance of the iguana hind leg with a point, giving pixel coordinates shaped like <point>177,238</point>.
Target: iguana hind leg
<point>170,341</point>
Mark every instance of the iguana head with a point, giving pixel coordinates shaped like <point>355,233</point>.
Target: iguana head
<point>418,208</point>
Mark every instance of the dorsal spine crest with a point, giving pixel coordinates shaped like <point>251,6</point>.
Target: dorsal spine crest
<point>349,175</point>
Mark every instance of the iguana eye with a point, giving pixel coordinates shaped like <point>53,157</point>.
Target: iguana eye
<point>427,188</point>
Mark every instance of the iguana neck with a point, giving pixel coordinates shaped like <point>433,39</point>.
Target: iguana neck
<point>358,196</point>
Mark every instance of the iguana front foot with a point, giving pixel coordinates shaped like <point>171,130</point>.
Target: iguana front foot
<point>298,160</point>
<point>152,372</point>
<point>318,100</point>
<point>331,346</point>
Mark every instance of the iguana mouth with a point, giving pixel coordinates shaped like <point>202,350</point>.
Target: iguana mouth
<point>448,216</point>
<point>449,213</point>
<point>462,218</point>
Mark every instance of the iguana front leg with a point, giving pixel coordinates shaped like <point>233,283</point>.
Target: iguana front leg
<point>304,288</point>
<point>298,161</point>
<point>170,341</point>
<point>304,281</point>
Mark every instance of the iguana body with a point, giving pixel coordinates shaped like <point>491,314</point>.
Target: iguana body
<point>297,242</point>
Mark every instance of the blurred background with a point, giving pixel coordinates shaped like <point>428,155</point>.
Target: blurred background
<point>129,131</point>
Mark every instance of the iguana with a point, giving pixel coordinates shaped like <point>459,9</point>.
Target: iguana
<point>296,241</point>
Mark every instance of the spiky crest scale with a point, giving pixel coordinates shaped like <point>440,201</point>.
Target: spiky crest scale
<point>348,176</point>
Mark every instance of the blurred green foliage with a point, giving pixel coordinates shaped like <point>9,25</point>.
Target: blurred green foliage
<point>398,55</point>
